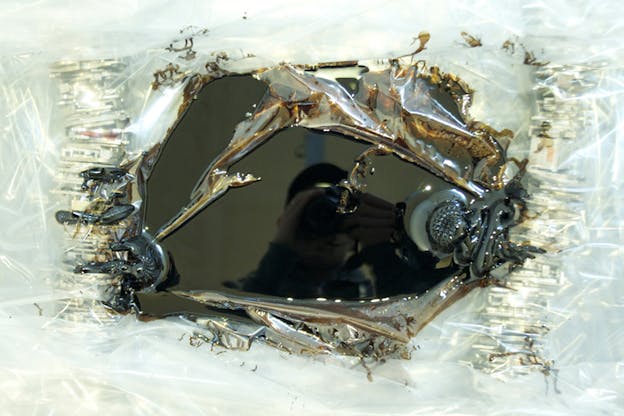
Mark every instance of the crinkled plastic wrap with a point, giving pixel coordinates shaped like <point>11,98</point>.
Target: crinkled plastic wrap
<point>549,343</point>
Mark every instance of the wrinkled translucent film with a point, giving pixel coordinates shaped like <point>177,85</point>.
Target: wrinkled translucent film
<point>89,95</point>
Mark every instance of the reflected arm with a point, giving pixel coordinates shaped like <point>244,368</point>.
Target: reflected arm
<point>414,274</point>
<point>276,267</point>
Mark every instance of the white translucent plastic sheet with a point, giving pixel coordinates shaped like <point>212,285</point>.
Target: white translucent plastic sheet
<point>57,366</point>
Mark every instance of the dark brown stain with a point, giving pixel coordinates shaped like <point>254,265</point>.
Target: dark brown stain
<point>471,40</point>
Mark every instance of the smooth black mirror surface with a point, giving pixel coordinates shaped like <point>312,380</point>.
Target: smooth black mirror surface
<point>281,236</point>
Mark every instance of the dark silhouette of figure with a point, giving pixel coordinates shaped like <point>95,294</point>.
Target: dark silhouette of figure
<point>318,253</point>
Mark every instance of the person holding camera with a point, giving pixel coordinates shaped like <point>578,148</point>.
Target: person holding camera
<point>318,253</point>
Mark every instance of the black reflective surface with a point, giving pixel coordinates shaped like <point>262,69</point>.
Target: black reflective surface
<point>236,243</point>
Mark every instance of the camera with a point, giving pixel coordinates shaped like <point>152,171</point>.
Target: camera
<point>320,217</point>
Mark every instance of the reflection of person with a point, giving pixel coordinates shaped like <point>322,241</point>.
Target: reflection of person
<point>306,264</point>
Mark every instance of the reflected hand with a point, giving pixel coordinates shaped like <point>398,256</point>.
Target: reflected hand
<point>373,222</point>
<point>288,222</point>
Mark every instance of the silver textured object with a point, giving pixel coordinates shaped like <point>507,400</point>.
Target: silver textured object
<point>447,225</point>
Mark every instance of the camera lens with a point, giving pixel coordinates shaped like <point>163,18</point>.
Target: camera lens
<point>319,216</point>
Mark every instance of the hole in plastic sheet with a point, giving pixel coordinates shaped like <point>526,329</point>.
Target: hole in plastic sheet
<point>365,251</point>
<point>353,244</point>
<point>234,234</point>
